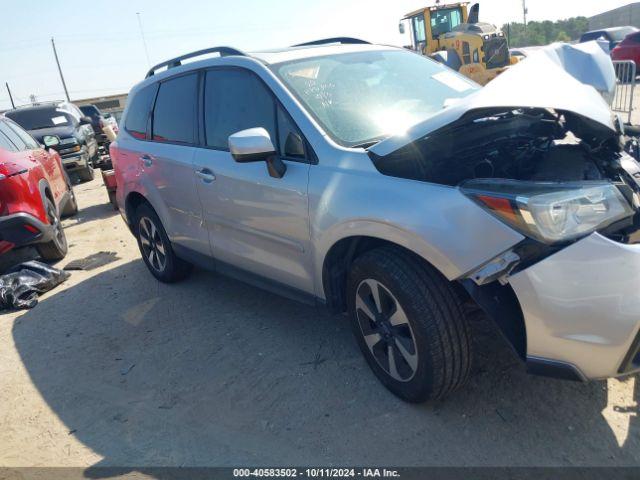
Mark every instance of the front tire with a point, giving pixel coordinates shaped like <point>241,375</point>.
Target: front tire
<point>56,248</point>
<point>156,249</point>
<point>409,324</point>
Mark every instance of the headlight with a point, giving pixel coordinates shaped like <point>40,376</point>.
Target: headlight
<point>551,212</point>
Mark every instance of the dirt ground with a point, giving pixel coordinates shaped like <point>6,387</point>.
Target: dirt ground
<point>115,369</point>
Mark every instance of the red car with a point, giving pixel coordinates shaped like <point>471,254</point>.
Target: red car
<point>35,192</point>
<point>628,49</point>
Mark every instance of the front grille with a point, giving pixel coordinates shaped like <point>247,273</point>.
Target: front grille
<point>496,52</point>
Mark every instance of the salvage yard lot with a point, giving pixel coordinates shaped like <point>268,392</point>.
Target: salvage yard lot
<point>114,368</point>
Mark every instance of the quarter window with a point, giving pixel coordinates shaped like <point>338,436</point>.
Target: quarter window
<point>5,144</point>
<point>12,136</point>
<point>138,112</point>
<point>235,100</point>
<point>28,140</point>
<point>174,115</point>
<point>290,142</point>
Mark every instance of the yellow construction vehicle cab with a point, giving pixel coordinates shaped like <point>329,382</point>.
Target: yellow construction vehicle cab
<point>452,35</point>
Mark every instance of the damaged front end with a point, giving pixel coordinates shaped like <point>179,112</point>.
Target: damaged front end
<point>551,166</point>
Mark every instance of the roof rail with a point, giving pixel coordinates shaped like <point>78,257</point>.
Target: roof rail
<point>176,62</point>
<point>342,40</point>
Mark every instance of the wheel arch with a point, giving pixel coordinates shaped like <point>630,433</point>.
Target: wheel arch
<point>46,194</point>
<point>341,254</point>
<point>497,301</point>
<point>133,200</point>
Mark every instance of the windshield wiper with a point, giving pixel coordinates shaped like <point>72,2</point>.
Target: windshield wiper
<point>368,143</point>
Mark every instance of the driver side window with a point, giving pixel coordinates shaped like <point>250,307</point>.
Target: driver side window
<point>235,100</point>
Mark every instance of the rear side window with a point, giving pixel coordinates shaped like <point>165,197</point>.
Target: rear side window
<point>13,136</point>
<point>24,136</point>
<point>236,100</point>
<point>174,115</point>
<point>138,113</point>
<point>5,144</point>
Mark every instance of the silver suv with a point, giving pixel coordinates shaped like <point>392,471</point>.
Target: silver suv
<point>379,183</point>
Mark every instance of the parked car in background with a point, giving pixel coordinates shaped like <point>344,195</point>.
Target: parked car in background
<point>382,184</point>
<point>35,192</point>
<point>613,35</point>
<point>97,122</point>
<point>628,49</point>
<point>78,146</point>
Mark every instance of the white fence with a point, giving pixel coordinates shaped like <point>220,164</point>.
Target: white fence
<point>622,101</point>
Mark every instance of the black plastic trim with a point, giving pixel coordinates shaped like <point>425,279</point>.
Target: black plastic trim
<point>554,369</point>
<point>631,361</point>
<point>326,41</point>
<point>12,229</point>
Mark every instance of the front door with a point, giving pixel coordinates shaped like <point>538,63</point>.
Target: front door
<point>256,223</point>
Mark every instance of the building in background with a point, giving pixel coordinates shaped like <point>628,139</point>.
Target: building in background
<point>618,17</point>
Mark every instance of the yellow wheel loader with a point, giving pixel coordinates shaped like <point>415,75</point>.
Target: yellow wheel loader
<point>453,36</point>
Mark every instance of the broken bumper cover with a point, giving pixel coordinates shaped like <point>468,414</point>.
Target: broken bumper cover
<point>581,308</point>
<point>22,229</point>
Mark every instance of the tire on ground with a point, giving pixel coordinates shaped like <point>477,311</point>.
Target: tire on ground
<point>56,248</point>
<point>175,269</point>
<point>437,320</point>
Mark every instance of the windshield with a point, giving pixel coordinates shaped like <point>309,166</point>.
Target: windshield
<point>618,35</point>
<point>366,96</point>
<point>34,119</point>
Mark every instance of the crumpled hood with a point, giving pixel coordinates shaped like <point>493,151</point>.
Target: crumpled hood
<point>570,78</point>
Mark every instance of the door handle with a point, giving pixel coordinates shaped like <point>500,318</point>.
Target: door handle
<point>147,160</point>
<point>206,175</point>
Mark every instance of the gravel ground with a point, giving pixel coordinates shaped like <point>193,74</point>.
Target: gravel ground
<point>115,369</point>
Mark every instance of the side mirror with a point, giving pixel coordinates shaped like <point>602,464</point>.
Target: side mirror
<point>255,145</point>
<point>51,141</point>
<point>401,28</point>
<point>85,121</point>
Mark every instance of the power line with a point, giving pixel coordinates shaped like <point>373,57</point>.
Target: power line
<point>144,42</point>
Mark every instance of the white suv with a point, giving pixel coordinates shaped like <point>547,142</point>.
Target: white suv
<point>380,183</point>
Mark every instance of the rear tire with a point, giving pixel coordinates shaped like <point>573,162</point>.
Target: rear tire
<point>71,207</point>
<point>56,248</point>
<point>156,249</point>
<point>418,342</point>
<point>86,174</point>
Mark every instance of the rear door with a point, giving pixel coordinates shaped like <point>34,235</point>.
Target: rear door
<point>167,163</point>
<point>257,223</point>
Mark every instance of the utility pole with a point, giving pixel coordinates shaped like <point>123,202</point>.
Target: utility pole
<point>524,14</point>
<point>64,85</point>
<point>144,42</point>
<point>13,105</point>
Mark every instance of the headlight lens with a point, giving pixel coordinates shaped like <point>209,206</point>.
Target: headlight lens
<point>551,212</point>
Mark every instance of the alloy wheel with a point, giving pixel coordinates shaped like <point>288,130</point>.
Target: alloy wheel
<point>153,248</point>
<point>386,330</point>
<point>58,233</point>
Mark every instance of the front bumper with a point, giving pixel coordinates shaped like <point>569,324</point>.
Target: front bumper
<point>581,308</point>
<point>22,229</point>
<point>75,161</point>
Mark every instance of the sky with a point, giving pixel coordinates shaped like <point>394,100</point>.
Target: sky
<point>101,50</point>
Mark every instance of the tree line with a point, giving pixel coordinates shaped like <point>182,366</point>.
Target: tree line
<point>543,33</point>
